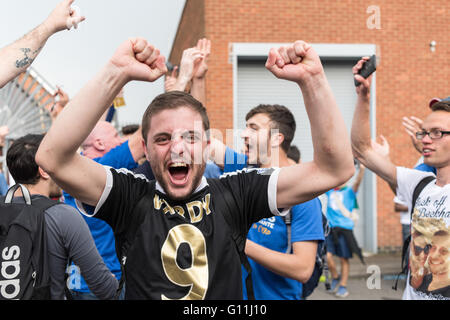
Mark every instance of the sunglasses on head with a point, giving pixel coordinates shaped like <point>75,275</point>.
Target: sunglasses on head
<point>418,250</point>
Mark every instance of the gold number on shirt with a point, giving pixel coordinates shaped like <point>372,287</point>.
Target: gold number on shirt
<point>196,276</point>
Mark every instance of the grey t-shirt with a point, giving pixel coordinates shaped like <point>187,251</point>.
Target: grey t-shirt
<point>68,237</point>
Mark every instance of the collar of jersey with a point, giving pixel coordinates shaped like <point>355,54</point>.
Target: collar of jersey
<point>203,184</point>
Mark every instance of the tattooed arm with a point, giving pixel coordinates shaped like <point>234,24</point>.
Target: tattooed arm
<point>18,56</point>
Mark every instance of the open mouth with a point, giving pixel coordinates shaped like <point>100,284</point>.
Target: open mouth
<point>178,173</point>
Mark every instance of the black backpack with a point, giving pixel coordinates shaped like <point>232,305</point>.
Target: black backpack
<point>221,199</point>
<point>24,272</point>
<point>321,256</point>
<point>405,266</point>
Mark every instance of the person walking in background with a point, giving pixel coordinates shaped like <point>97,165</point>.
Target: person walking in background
<point>67,235</point>
<point>341,242</point>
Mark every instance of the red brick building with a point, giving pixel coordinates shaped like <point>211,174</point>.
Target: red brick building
<point>400,32</point>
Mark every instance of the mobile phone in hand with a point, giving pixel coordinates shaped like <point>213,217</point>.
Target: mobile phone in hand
<point>369,67</point>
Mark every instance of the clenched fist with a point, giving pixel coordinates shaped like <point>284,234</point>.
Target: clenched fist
<point>139,60</point>
<point>297,62</point>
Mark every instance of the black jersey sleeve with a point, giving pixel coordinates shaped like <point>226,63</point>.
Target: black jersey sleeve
<point>252,193</point>
<point>123,191</point>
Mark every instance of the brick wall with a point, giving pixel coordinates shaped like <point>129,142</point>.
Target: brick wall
<point>408,76</point>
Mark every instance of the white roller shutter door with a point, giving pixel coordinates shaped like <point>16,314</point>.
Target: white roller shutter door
<point>256,85</point>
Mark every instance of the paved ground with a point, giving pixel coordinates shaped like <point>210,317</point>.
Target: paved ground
<point>372,281</point>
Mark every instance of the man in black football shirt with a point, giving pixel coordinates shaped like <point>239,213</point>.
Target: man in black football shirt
<point>178,231</point>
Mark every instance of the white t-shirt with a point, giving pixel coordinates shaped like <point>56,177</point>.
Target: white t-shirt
<point>430,246</point>
<point>405,217</point>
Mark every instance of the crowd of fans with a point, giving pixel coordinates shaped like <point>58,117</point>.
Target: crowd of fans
<point>143,214</point>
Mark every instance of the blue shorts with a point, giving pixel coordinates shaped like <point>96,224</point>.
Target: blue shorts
<point>341,250</point>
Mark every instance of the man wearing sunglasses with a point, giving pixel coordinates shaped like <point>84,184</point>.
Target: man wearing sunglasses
<point>419,254</point>
<point>433,204</point>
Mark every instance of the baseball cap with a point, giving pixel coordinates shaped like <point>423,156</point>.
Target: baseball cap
<point>435,100</point>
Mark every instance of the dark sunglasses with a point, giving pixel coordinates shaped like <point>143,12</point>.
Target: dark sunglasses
<point>418,250</point>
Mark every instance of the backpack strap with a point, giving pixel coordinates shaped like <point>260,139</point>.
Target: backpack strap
<point>39,257</point>
<point>25,193</point>
<point>417,190</point>
<point>420,186</point>
<point>226,200</point>
<point>288,221</point>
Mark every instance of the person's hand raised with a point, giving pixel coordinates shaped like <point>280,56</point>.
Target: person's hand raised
<point>297,62</point>
<point>63,17</point>
<point>364,88</point>
<point>139,60</point>
<point>201,65</point>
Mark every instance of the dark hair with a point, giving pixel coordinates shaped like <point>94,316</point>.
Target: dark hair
<point>20,159</point>
<point>173,100</point>
<point>294,154</point>
<point>130,129</point>
<point>281,118</point>
<point>441,106</point>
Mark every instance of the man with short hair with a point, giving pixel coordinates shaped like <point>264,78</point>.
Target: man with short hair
<point>68,237</point>
<point>280,260</point>
<point>18,56</point>
<point>433,203</point>
<point>178,238</point>
<point>439,262</point>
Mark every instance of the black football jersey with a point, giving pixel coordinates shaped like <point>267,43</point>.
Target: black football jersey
<point>184,249</point>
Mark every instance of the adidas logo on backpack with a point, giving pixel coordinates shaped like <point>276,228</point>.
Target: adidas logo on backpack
<point>10,269</point>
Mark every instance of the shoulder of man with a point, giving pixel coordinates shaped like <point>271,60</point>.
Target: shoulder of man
<point>260,171</point>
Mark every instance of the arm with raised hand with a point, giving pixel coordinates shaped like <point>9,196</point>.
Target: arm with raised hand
<point>58,106</point>
<point>187,68</point>
<point>412,125</point>
<point>198,88</point>
<point>333,160</point>
<point>170,80</point>
<point>359,178</point>
<point>18,56</point>
<point>81,177</point>
<point>362,144</point>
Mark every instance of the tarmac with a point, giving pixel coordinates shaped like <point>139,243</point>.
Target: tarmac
<point>370,281</point>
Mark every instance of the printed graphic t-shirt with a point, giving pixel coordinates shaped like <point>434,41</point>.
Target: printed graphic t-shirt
<point>184,249</point>
<point>429,275</point>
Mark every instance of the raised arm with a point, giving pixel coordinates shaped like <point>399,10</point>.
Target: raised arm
<point>361,140</point>
<point>187,68</point>
<point>359,178</point>
<point>18,56</point>
<point>198,88</point>
<point>81,177</point>
<point>333,160</point>
<point>412,125</point>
